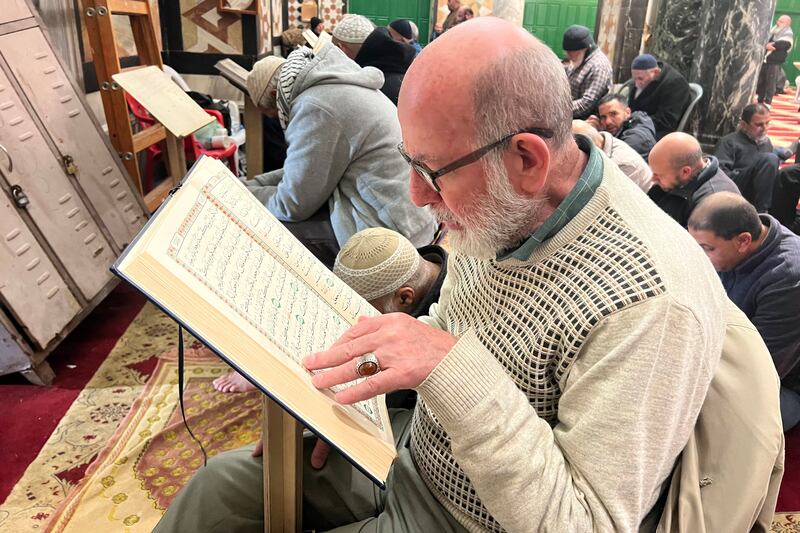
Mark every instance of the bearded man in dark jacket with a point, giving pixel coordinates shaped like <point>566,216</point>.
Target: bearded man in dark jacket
<point>660,91</point>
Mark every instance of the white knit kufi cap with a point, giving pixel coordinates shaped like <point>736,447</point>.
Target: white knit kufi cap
<point>376,261</point>
<point>259,78</point>
<point>353,29</point>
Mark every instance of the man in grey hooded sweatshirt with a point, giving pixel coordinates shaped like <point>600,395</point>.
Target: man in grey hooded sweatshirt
<point>343,172</point>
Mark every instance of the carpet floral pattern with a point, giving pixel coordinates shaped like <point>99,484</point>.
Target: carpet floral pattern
<point>146,350</point>
<point>152,456</point>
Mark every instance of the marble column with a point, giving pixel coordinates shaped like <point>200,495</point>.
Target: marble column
<point>674,37</point>
<point>619,34</point>
<point>728,56</point>
<point>510,10</point>
<point>718,44</point>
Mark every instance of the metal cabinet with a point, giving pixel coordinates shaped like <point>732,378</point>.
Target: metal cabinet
<point>67,208</point>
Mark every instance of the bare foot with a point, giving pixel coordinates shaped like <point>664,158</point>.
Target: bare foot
<point>233,382</point>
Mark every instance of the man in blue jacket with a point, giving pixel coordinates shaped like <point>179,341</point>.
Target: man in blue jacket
<point>759,263</point>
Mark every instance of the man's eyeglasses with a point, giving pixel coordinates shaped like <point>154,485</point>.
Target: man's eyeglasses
<point>430,176</point>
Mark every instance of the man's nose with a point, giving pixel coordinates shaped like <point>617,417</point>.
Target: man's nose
<point>421,193</point>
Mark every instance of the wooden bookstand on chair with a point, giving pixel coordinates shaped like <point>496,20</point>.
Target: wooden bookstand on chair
<point>98,22</point>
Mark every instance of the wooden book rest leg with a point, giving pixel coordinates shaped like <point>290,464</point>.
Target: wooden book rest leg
<point>176,158</point>
<point>283,470</point>
<point>255,137</point>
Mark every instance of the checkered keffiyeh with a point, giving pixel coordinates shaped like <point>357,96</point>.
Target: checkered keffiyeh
<point>294,65</point>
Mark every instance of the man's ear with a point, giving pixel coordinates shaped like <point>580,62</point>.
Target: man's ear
<point>743,241</point>
<point>528,163</point>
<point>404,298</point>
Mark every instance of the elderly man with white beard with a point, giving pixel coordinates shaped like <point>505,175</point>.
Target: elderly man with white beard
<point>563,368</point>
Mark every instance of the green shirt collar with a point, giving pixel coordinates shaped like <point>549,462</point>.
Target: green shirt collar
<point>578,197</point>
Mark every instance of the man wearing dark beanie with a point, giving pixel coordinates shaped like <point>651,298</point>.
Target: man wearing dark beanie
<point>402,31</point>
<point>316,25</point>
<point>659,90</point>
<point>589,71</point>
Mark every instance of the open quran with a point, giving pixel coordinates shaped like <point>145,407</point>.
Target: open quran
<point>220,264</point>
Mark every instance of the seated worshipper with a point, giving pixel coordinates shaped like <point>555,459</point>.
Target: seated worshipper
<point>464,14</point>
<point>452,17</point>
<point>629,162</point>
<point>785,197</point>
<point>316,25</point>
<point>392,58</point>
<point>759,264</point>
<point>748,157</point>
<point>561,372</point>
<point>342,171</point>
<point>683,176</point>
<point>438,29</point>
<point>350,33</point>
<point>589,72</point>
<point>402,31</point>
<point>781,40</point>
<point>615,117</point>
<point>386,270</point>
<point>415,37</point>
<point>659,90</point>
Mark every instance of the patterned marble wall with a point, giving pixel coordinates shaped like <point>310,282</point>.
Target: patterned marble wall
<point>330,11</point>
<point>206,29</point>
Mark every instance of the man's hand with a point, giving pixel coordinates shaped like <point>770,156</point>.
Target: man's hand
<point>318,456</point>
<point>770,47</point>
<point>593,121</point>
<point>407,351</point>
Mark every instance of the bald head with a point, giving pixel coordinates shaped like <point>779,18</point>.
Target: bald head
<point>675,160</point>
<point>440,91</point>
<point>581,127</point>
<point>784,21</point>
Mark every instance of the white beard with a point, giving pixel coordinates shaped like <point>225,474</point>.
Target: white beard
<point>498,222</point>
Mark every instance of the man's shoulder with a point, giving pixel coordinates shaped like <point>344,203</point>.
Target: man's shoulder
<point>720,182</point>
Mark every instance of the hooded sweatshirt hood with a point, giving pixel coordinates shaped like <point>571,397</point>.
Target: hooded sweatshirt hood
<point>331,67</point>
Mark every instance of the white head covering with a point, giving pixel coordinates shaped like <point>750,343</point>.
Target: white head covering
<point>376,261</point>
<point>353,29</point>
<point>259,78</point>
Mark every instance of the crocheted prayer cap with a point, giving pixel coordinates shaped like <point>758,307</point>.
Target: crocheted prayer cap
<point>353,29</point>
<point>376,261</point>
<point>577,37</point>
<point>259,78</point>
<point>644,62</point>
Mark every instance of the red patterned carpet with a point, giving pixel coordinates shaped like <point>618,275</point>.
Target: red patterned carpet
<point>37,410</point>
<point>785,121</point>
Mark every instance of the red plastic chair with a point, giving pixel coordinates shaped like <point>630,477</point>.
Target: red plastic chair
<point>194,149</point>
<point>154,152</point>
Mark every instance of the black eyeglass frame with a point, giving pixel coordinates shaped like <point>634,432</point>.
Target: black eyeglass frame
<point>430,176</point>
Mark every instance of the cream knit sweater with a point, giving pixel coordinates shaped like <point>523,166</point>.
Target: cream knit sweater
<point>578,374</point>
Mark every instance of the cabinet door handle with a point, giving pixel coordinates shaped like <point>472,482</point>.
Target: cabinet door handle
<point>10,162</point>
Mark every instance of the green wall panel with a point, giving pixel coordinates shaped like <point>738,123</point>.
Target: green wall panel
<point>547,19</point>
<point>382,12</point>
<point>791,8</point>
